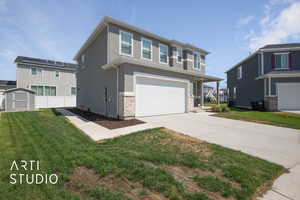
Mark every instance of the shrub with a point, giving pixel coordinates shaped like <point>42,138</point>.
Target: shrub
<point>220,108</point>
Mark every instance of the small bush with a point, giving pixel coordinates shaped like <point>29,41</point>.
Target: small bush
<point>220,108</point>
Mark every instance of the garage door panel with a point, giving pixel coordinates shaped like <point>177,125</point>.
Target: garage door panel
<point>157,97</point>
<point>289,96</point>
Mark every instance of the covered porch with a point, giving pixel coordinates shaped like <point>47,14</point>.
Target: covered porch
<point>199,91</point>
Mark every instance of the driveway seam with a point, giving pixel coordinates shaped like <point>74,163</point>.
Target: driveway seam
<point>283,195</point>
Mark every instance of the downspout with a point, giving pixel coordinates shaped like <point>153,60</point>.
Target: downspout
<point>117,70</point>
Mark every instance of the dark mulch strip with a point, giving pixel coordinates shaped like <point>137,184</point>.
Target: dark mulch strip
<point>107,122</point>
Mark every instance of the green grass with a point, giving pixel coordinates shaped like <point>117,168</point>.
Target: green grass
<point>60,148</point>
<point>282,119</point>
<point>213,104</point>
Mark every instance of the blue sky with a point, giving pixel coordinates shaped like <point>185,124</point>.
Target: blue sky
<point>230,30</point>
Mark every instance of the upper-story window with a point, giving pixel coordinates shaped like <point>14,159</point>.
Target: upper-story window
<point>82,58</point>
<point>73,91</point>
<point>202,60</point>
<point>281,60</point>
<point>179,54</point>
<point>163,53</point>
<point>239,72</point>
<point>196,61</point>
<point>57,74</point>
<point>36,71</point>
<point>146,49</point>
<point>126,41</point>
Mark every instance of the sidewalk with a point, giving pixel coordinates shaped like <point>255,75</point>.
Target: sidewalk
<point>97,132</point>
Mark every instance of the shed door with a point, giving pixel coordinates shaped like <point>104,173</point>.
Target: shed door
<point>20,101</point>
<point>158,96</point>
<point>288,96</point>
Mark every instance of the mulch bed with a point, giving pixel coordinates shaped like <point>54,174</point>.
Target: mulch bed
<point>107,122</point>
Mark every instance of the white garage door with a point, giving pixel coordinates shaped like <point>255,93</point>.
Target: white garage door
<point>158,97</point>
<point>288,96</point>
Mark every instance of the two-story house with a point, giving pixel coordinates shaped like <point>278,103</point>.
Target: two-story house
<point>128,72</point>
<point>54,82</point>
<point>271,74</point>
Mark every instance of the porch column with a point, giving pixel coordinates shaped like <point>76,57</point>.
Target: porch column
<point>218,95</point>
<point>202,95</point>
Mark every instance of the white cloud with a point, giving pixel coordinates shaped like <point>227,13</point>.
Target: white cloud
<point>245,20</point>
<point>277,26</point>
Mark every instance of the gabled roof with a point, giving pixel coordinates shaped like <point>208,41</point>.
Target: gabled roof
<point>14,89</point>
<point>106,20</point>
<point>44,62</point>
<point>270,48</point>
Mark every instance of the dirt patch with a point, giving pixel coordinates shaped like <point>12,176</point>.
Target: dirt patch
<point>187,143</point>
<point>107,122</point>
<point>83,178</point>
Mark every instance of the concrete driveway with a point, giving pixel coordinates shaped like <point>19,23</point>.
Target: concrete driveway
<point>276,144</point>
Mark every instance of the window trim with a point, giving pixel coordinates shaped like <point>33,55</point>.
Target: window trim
<point>159,45</point>
<point>38,71</point>
<point>288,61</point>
<point>177,48</point>
<point>57,72</point>
<point>239,73</point>
<point>195,53</point>
<point>234,95</point>
<point>120,43</point>
<point>142,48</point>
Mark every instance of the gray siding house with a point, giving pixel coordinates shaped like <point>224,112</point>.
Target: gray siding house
<point>127,72</point>
<point>46,77</point>
<point>271,74</point>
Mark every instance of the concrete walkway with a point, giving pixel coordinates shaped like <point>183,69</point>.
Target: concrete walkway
<point>276,144</point>
<point>97,132</point>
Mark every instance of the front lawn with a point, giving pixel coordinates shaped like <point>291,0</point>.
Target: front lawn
<point>282,119</point>
<point>153,164</point>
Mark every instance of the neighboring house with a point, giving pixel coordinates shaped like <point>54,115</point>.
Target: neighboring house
<point>54,82</point>
<point>271,74</point>
<point>128,72</point>
<point>5,85</point>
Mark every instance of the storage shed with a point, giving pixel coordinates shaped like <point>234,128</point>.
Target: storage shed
<point>19,99</point>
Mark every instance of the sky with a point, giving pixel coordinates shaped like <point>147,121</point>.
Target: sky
<point>230,30</point>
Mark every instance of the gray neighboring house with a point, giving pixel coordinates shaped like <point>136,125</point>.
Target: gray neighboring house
<point>127,72</point>
<point>46,77</point>
<point>271,74</point>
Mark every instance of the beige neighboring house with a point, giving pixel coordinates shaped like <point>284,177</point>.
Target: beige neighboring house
<point>127,72</point>
<point>53,82</point>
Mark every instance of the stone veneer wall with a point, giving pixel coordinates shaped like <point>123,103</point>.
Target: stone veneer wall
<point>271,103</point>
<point>126,107</point>
<point>191,104</point>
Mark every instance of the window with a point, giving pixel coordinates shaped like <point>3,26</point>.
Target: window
<point>82,58</point>
<point>73,91</point>
<point>239,72</point>
<point>179,54</point>
<point>281,60</point>
<point>126,43</point>
<point>196,61</point>
<point>56,74</point>
<point>234,92</point>
<point>163,53</point>
<point>35,71</point>
<point>44,90</point>
<point>202,60</point>
<point>146,49</point>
